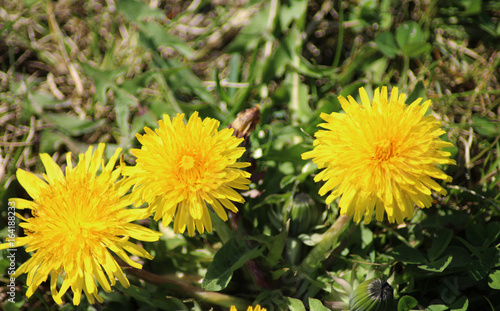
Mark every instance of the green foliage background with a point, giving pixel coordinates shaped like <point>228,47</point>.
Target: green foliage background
<point>76,73</point>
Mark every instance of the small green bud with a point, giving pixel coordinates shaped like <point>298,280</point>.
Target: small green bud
<point>372,295</point>
<point>303,214</point>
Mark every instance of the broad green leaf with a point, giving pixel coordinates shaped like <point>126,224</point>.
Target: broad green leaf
<point>471,7</point>
<point>485,127</point>
<point>461,257</point>
<point>284,56</point>
<point>10,306</point>
<point>407,254</point>
<point>316,305</point>
<point>491,257</point>
<point>103,80</point>
<point>440,240</point>
<point>277,247</point>
<point>492,232</point>
<point>138,293</point>
<point>291,154</point>
<point>369,13</point>
<point>136,11</point>
<point>228,259</point>
<point>72,125</point>
<point>315,71</point>
<point>494,279</point>
<point>477,270</point>
<point>328,104</point>
<point>415,49</point>
<point>159,35</point>
<point>437,308</point>
<point>407,303</point>
<point>184,80</point>
<point>294,304</point>
<point>409,32</point>
<point>418,92</point>
<point>438,265</point>
<point>170,303</point>
<point>386,44</point>
<point>290,11</point>
<point>475,233</point>
<point>50,141</point>
<point>41,100</point>
<point>249,36</point>
<point>462,304</point>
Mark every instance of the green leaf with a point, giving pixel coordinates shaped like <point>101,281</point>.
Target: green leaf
<point>10,306</point>
<point>492,233</point>
<point>277,247</point>
<point>103,79</point>
<point>42,100</point>
<point>409,32</point>
<point>406,303</point>
<point>386,44</point>
<point>476,233</point>
<point>494,279</point>
<point>462,304</point>
<point>50,141</point>
<point>485,127</point>
<point>249,36</point>
<point>291,10</point>
<point>477,270</point>
<point>491,257</point>
<point>416,49</point>
<point>461,257</point>
<point>316,305</point>
<point>437,308</point>
<point>140,294</point>
<point>407,254</point>
<point>294,304</point>
<point>440,240</point>
<point>315,71</point>
<point>438,265</point>
<point>154,35</point>
<point>72,125</point>
<point>286,52</point>
<point>228,259</point>
<point>471,7</point>
<point>418,92</point>
<point>135,11</point>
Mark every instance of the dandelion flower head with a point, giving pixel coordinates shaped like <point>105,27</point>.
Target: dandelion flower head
<point>380,155</point>
<point>77,218</point>
<point>181,168</point>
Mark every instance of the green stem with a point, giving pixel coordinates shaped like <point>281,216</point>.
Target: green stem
<point>221,228</point>
<point>186,289</point>
<point>404,76</point>
<point>320,251</point>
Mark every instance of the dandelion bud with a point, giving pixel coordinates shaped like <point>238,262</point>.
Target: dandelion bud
<point>304,214</point>
<point>372,295</point>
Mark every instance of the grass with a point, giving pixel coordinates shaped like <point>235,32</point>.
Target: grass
<point>76,73</point>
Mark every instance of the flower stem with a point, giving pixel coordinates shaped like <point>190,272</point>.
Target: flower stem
<point>220,227</point>
<point>319,252</point>
<point>183,287</point>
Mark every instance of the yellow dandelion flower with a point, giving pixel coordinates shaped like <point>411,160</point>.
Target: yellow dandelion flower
<point>182,167</point>
<point>77,217</point>
<point>380,155</point>
<point>257,308</point>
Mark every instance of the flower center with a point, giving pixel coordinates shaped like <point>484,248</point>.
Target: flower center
<point>187,162</point>
<point>384,150</point>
